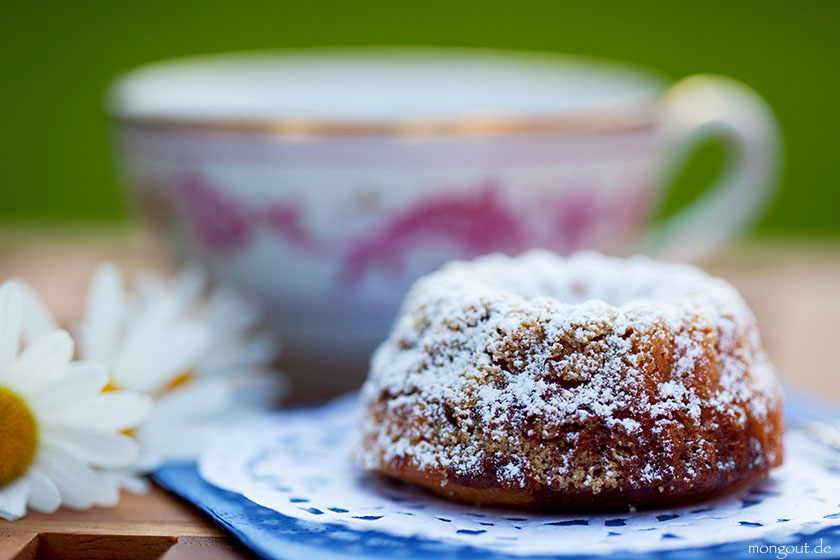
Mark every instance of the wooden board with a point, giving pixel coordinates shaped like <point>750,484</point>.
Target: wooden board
<point>794,289</point>
<point>149,527</point>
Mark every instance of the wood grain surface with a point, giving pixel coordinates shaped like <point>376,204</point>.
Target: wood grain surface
<point>793,287</point>
<point>148,527</point>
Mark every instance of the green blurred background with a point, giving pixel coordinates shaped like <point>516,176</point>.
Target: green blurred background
<point>58,57</point>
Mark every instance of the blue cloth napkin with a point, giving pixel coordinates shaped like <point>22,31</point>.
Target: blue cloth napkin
<point>273,536</point>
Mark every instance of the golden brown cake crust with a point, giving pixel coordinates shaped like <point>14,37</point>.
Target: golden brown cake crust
<point>586,382</point>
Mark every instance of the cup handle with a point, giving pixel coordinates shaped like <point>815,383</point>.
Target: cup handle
<point>704,106</point>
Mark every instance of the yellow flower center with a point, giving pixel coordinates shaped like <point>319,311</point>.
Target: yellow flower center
<point>18,436</point>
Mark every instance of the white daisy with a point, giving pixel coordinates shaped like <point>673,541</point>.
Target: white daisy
<point>240,351</point>
<point>57,428</point>
<point>202,359</point>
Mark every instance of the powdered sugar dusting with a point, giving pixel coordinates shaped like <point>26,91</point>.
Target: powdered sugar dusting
<point>502,367</point>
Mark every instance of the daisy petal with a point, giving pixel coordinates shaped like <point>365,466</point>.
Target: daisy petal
<point>189,284</point>
<point>42,362</point>
<point>10,325</point>
<point>129,480</point>
<point>80,381</point>
<point>198,399</point>
<point>236,354</point>
<point>230,311</point>
<point>37,320</point>
<point>13,498</point>
<point>148,285</point>
<point>177,348</point>
<point>180,442</point>
<point>185,421</point>
<point>96,447</point>
<point>259,392</point>
<point>79,486</point>
<point>103,314</point>
<point>137,484</point>
<point>44,495</point>
<point>113,411</point>
<point>149,324</point>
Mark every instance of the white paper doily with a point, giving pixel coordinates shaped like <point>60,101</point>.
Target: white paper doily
<point>296,464</point>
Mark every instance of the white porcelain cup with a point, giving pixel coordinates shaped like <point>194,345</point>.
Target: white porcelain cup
<point>328,180</point>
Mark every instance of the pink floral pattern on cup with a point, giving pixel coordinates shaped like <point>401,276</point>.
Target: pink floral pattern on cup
<point>469,222</point>
<point>220,222</point>
<point>285,219</point>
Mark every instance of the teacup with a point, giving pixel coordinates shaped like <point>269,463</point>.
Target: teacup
<point>328,180</point>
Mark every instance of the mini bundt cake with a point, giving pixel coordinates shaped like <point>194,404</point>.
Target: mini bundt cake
<point>572,383</point>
